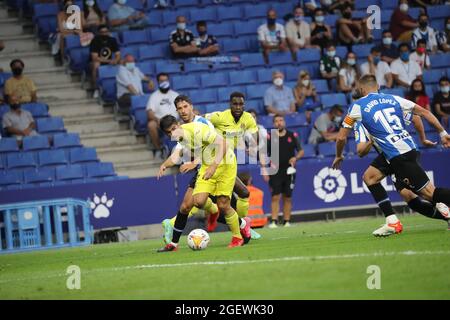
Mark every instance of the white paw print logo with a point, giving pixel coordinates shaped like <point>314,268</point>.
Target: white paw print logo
<point>329,184</point>
<point>101,206</point>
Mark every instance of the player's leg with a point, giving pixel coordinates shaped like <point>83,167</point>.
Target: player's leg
<point>275,188</point>
<point>288,187</point>
<point>232,219</point>
<point>423,207</point>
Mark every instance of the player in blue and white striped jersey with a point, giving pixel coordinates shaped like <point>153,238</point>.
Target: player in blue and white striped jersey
<point>382,116</point>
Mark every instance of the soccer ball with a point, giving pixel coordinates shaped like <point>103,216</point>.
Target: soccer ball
<point>198,239</point>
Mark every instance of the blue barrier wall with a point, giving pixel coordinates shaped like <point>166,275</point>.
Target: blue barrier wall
<point>147,201</point>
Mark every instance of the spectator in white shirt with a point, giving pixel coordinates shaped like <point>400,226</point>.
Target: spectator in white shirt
<point>424,32</point>
<point>272,35</point>
<point>348,74</point>
<point>160,104</point>
<point>379,69</point>
<point>404,70</point>
<point>129,83</point>
<point>298,32</point>
<point>421,56</point>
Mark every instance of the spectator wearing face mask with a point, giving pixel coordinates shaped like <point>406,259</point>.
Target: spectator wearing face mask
<point>207,43</point>
<point>379,69</point>
<point>402,24</point>
<point>182,41</point>
<point>389,51</point>
<point>426,33</point>
<point>298,32</point>
<point>160,104</point>
<point>20,85</point>
<point>18,123</point>
<point>320,32</point>
<point>441,101</point>
<point>305,95</point>
<point>129,83</point>
<point>326,126</point>
<point>405,70</point>
<point>93,15</point>
<point>348,74</point>
<point>418,95</point>
<point>122,17</point>
<point>421,56</point>
<point>443,37</point>
<point>271,35</point>
<point>279,98</point>
<point>350,30</point>
<point>330,65</point>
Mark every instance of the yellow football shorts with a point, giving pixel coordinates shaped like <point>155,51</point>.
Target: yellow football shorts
<point>220,184</point>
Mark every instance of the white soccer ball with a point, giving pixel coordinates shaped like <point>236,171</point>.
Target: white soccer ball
<point>198,239</point>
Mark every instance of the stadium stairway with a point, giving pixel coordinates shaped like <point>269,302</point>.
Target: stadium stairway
<point>63,92</point>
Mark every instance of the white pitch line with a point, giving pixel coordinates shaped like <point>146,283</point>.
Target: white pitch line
<point>231,262</point>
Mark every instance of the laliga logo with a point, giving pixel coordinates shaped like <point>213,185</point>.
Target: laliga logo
<point>329,184</point>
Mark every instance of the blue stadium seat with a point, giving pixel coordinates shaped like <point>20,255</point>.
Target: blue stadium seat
<point>66,140</point>
<point>439,60</point>
<point>395,91</point>
<point>280,58</point>
<point>34,143</point>
<point>10,178</point>
<point>139,102</point>
<point>223,94</point>
<point>255,11</point>
<point>20,160</point>
<point>229,13</point>
<point>153,52</point>
<point>185,82</point>
<point>256,91</point>
<point>52,158</point>
<point>160,35</point>
<point>69,172</point>
<point>328,100</point>
<point>140,120</point>
<point>211,80</point>
<point>108,90</point>
<point>41,175</point>
<point>155,18</point>
<point>243,77</point>
<point>132,50</point>
<point>195,67</point>
<point>207,14</point>
<point>37,110</point>
<point>438,11</point>
<point>8,145</point>
<point>308,55</point>
<point>45,18</point>
<point>433,76</point>
<point>167,67</point>
<point>327,149</point>
<point>3,77</point>
<point>303,133</point>
<point>50,125</point>
<point>106,72</point>
<point>217,107</point>
<point>79,59</point>
<point>104,5</point>
<point>321,85</point>
<point>221,29</point>
<point>389,4</point>
<point>234,45</point>
<point>71,42</point>
<point>292,73</point>
<point>136,4</point>
<point>341,51</point>
<point>310,151</point>
<point>364,4</point>
<point>265,75</point>
<point>249,60</point>
<point>186,3</point>
<point>362,50</point>
<point>134,37</point>
<point>266,121</point>
<point>283,9</point>
<point>295,120</point>
<point>246,28</point>
<point>83,155</point>
<point>203,96</point>
<point>256,105</point>
<point>99,170</point>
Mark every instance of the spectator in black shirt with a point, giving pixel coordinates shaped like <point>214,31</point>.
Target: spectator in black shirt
<point>205,42</point>
<point>182,42</point>
<point>104,51</point>
<point>441,101</point>
<point>290,151</point>
<point>389,51</point>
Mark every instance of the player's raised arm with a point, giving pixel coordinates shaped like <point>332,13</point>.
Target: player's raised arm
<point>354,115</point>
<point>418,124</point>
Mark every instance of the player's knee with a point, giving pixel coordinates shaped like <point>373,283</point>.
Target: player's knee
<point>223,204</point>
<point>199,202</point>
<point>369,178</point>
<point>244,193</point>
<point>407,195</point>
<point>185,207</point>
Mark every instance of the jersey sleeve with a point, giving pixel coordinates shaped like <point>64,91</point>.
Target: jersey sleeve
<point>208,134</point>
<point>360,133</point>
<point>213,117</point>
<point>250,125</point>
<point>406,105</point>
<point>354,115</point>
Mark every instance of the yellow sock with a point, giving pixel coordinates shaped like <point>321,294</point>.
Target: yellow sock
<point>242,207</point>
<point>210,207</point>
<point>233,223</point>
<point>172,221</point>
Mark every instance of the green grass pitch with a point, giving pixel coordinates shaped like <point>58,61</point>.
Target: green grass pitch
<point>318,260</point>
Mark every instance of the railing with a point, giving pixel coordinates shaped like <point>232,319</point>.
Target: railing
<point>45,224</point>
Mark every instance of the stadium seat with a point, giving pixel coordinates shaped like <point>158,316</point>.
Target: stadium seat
<point>3,77</point>
<point>328,100</point>
<point>136,4</point>
<point>105,4</point>
<point>185,82</point>
<point>69,172</point>
<point>132,50</point>
<point>147,68</point>
<point>394,91</point>
<point>52,158</point>
<point>160,35</point>
<point>139,120</point>
<point>207,14</point>
<point>327,149</point>
<point>246,28</point>
<point>167,67</point>
<point>50,125</point>
<point>389,4</point>
<point>186,3</point>
<point>321,86</point>
<point>151,52</point>
<point>234,45</point>
<point>255,11</point>
<point>139,102</point>
<point>256,105</point>
<point>249,60</point>
<point>265,75</point>
<point>256,91</point>
<point>34,143</point>
<point>155,19</point>
<point>41,175</point>
<point>45,18</point>
<point>243,77</point>
<point>266,121</point>
<point>108,90</point>
<point>9,178</point>
<point>432,76</point>
<point>221,29</point>
<point>280,58</point>
<point>106,72</point>
<point>362,50</point>
<point>83,155</point>
<point>341,51</point>
<point>196,67</point>
<point>203,96</point>
<point>79,59</point>
<point>8,145</point>
<point>37,110</point>
<point>303,133</point>
<point>364,4</point>
<point>211,80</point>
<point>229,13</point>
<point>99,170</point>
<point>308,55</point>
<point>134,37</point>
<point>223,94</point>
<point>438,11</point>
<point>66,140</point>
<point>295,120</point>
<point>20,160</point>
<point>310,151</point>
<point>71,42</point>
<point>217,107</point>
<point>351,146</point>
<point>439,60</point>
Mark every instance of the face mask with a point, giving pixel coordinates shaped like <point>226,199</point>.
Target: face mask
<point>271,21</point>
<point>320,19</point>
<point>278,82</point>
<point>331,53</point>
<point>181,26</point>
<point>17,71</point>
<point>423,24</point>
<point>164,86</point>
<point>90,3</point>
<point>130,65</point>
<point>351,62</point>
<point>299,18</point>
<point>404,56</point>
<point>14,106</point>
<point>404,7</point>
<point>201,33</point>
<point>305,82</point>
<point>421,50</point>
<point>445,89</point>
<point>337,119</point>
<point>347,15</point>
<point>387,41</point>
<point>376,59</point>
<point>122,2</point>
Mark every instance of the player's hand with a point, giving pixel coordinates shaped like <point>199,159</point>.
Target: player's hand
<point>186,167</point>
<point>446,141</point>
<point>209,172</point>
<point>337,162</point>
<point>293,161</point>
<point>427,143</point>
<point>162,168</point>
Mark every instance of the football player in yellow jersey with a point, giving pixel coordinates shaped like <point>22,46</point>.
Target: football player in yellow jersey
<point>216,175</point>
